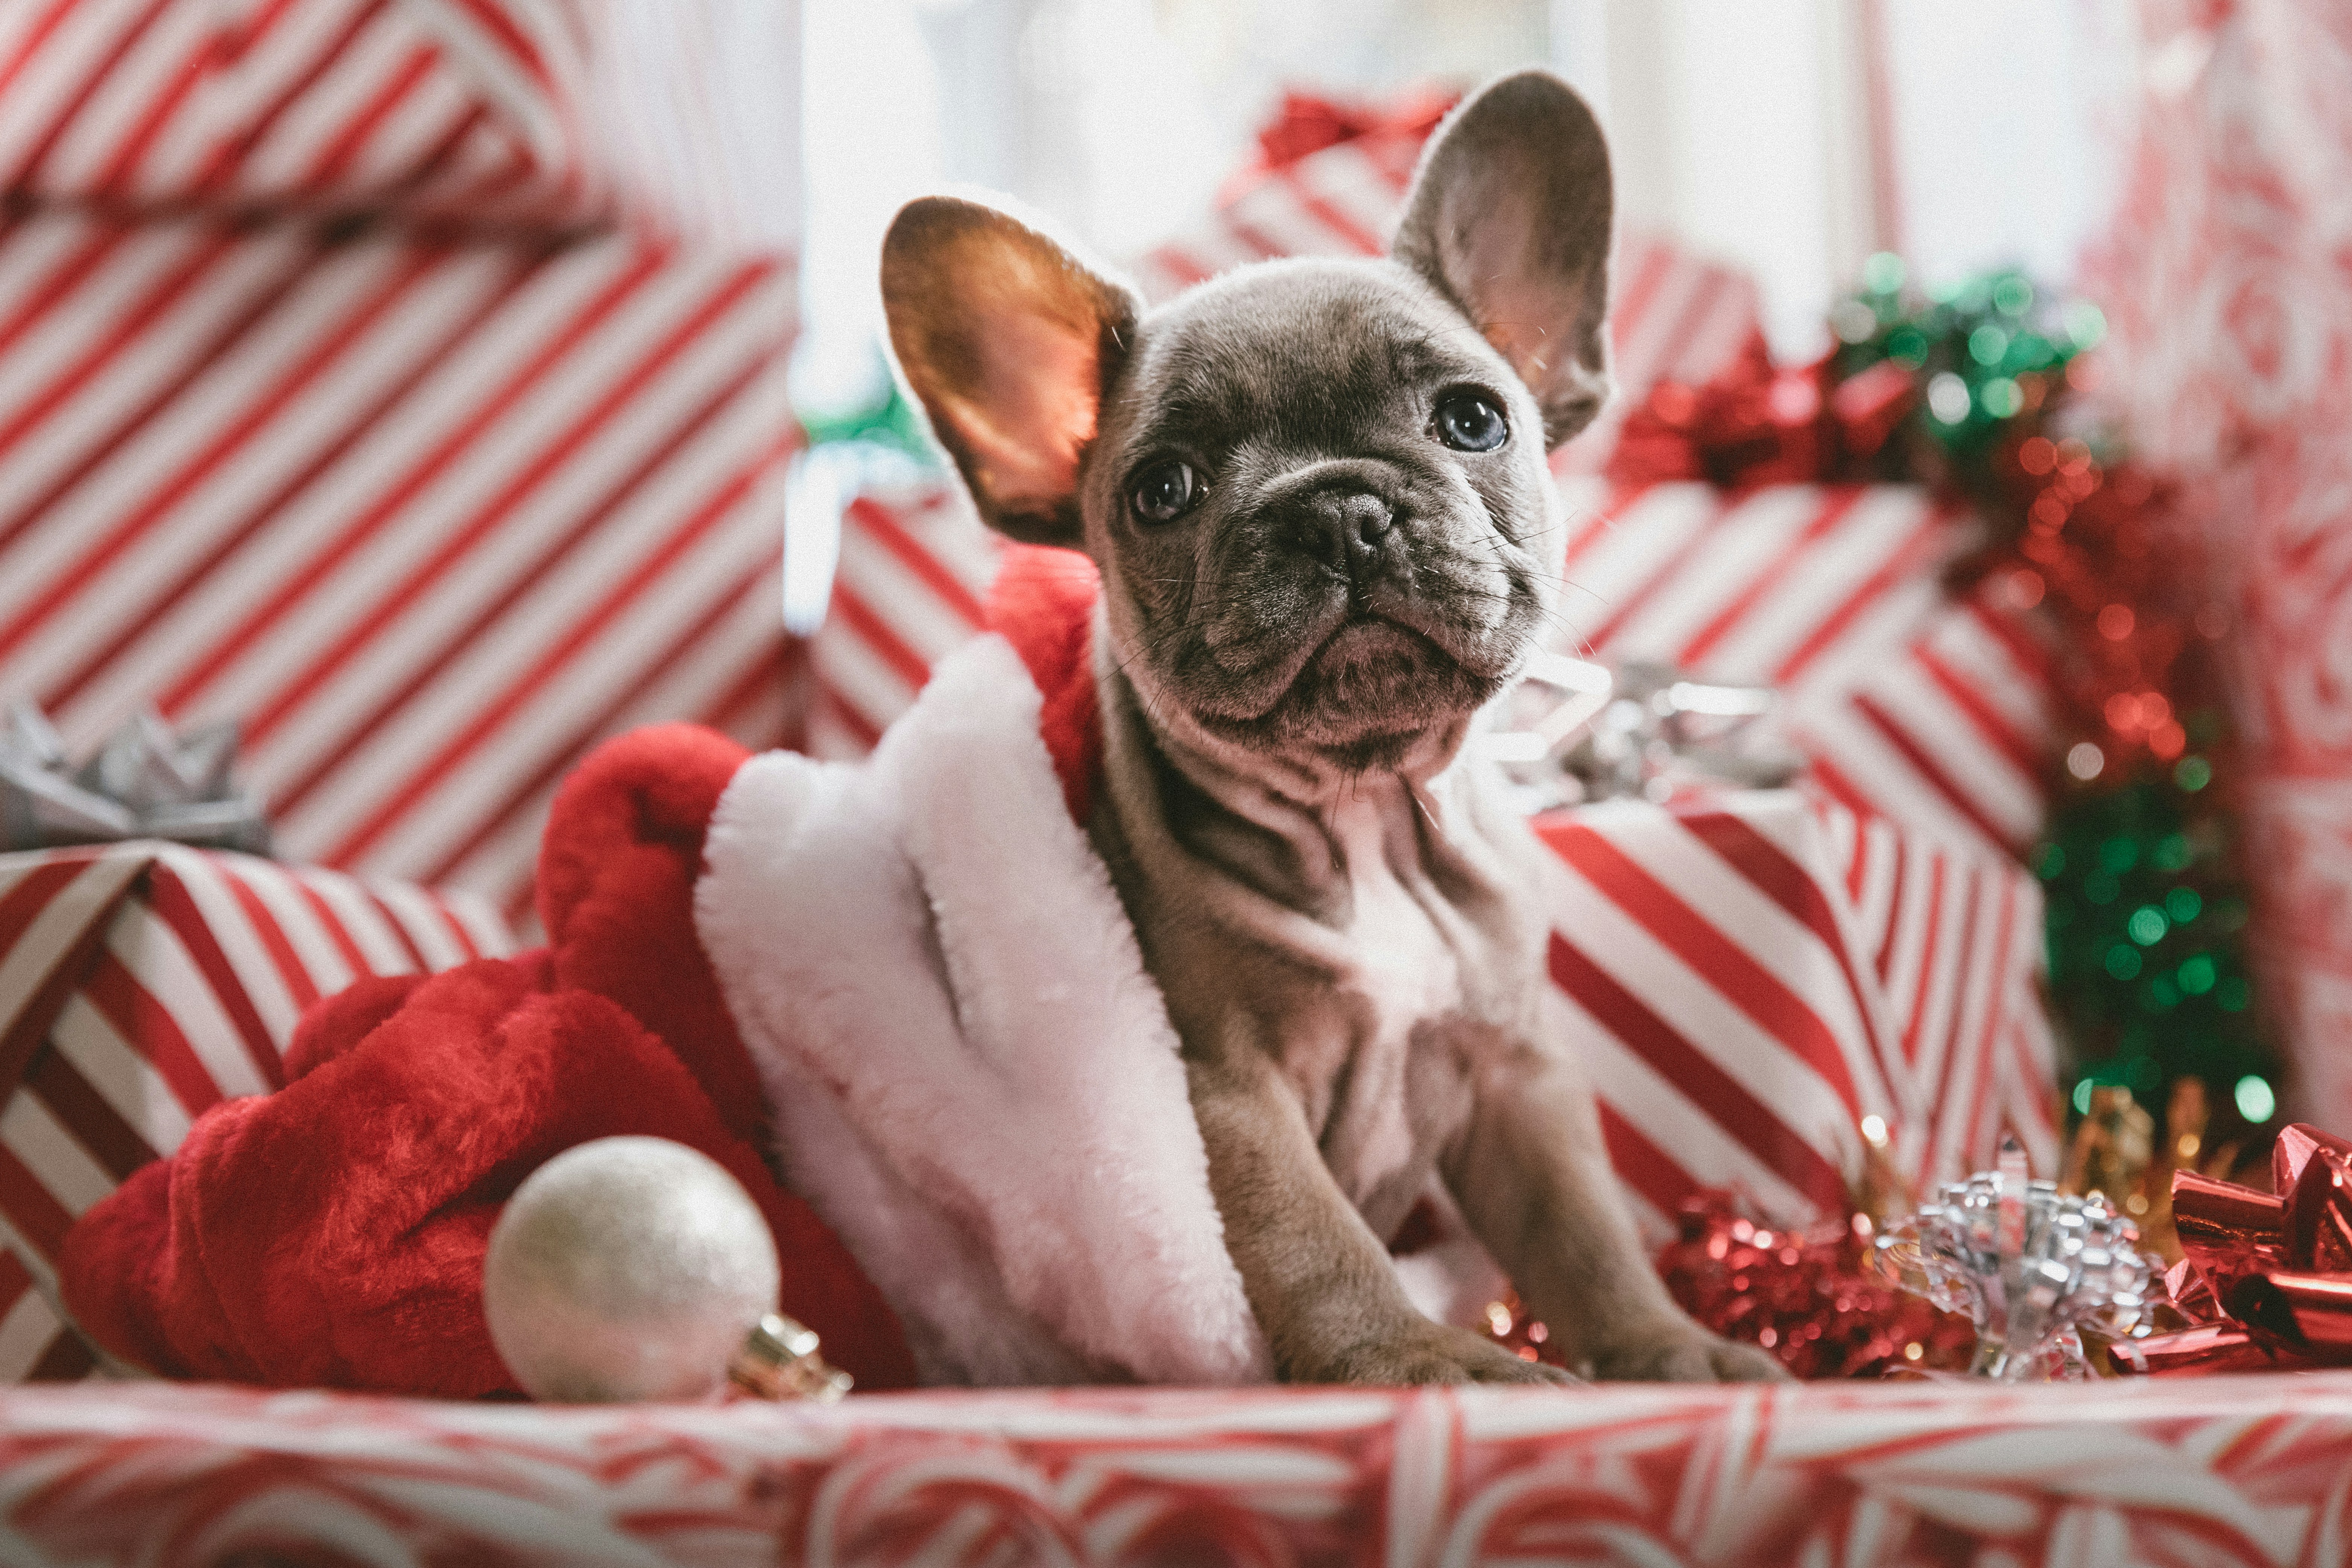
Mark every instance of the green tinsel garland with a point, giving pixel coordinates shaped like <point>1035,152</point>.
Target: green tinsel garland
<point>2146,899</point>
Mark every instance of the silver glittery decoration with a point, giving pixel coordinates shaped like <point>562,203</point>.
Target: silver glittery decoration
<point>1575,731</point>
<point>2030,1266</point>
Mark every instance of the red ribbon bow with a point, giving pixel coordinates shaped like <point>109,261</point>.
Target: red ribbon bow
<point>2268,1274</point>
<point>1756,425</point>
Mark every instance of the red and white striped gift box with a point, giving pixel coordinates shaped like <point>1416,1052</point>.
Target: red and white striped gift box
<point>1673,316</point>
<point>1954,941</point>
<point>2222,1472</point>
<point>538,112</point>
<point>913,574</point>
<point>1935,712</point>
<point>1748,976</point>
<point>428,519</point>
<point>140,983</point>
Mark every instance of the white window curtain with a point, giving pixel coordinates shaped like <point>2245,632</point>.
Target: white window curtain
<point>1796,137</point>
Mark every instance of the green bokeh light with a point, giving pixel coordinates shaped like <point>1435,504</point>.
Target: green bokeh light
<point>2141,868</point>
<point>2086,325</point>
<point>2256,1102</point>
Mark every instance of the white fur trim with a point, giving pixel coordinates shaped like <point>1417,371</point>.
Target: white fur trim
<point>975,1080</point>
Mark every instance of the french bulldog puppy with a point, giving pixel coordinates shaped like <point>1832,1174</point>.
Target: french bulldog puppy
<point>1317,494</point>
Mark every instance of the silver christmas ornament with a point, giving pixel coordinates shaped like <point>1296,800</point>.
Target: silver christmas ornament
<point>628,1269</point>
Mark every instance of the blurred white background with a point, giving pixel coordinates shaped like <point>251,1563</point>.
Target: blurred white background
<point>1794,137</point>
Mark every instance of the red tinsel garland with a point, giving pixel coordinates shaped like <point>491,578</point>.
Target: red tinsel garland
<point>1808,1297</point>
<point>2090,549</point>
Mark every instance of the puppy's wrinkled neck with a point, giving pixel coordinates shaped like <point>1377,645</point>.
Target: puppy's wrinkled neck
<point>1285,824</point>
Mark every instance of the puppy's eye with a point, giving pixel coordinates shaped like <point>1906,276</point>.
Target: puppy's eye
<point>1469,422</point>
<point>1165,492</point>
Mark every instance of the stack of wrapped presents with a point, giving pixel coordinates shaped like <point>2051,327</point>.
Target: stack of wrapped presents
<point>385,379</point>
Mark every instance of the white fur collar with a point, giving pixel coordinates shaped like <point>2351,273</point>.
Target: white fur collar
<point>974,1079</point>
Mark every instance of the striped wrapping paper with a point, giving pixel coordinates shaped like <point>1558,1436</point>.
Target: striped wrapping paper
<point>1936,712</point>
<point>1673,316</point>
<point>1748,976</point>
<point>915,566</point>
<point>429,518</point>
<point>535,112</point>
<point>2208,1472</point>
<point>141,982</point>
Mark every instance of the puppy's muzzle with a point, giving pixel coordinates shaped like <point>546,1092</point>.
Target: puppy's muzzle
<point>1345,528</point>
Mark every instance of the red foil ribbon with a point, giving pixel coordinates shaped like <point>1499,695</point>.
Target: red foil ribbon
<point>1810,1297</point>
<point>2267,1280</point>
<point>1755,424</point>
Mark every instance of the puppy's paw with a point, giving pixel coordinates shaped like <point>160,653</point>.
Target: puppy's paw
<point>1686,1353</point>
<point>1433,1353</point>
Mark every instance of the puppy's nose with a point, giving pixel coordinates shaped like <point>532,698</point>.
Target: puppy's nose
<point>1349,530</point>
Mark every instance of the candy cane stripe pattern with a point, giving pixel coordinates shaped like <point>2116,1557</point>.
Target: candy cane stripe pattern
<point>428,519</point>
<point>478,110</point>
<point>1933,712</point>
<point>914,571</point>
<point>2224,277</point>
<point>2245,1472</point>
<point>1749,975</point>
<point>149,981</point>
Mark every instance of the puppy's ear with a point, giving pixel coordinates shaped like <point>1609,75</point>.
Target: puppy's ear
<point>1009,340</point>
<point>1508,217</point>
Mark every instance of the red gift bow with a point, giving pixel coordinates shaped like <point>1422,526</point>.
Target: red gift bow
<point>1306,123</point>
<point>1756,425</point>
<point>2270,1274</point>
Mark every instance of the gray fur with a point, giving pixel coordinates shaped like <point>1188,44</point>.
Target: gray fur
<point>1335,903</point>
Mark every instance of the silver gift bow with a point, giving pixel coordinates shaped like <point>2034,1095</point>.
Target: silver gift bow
<point>143,781</point>
<point>1581,731</point>
<point>2030,1266</point>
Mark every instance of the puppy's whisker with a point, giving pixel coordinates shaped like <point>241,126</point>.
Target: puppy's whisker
<point>1595,594</point>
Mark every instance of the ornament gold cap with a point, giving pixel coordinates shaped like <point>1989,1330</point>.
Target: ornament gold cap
<point>778,1360</point>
